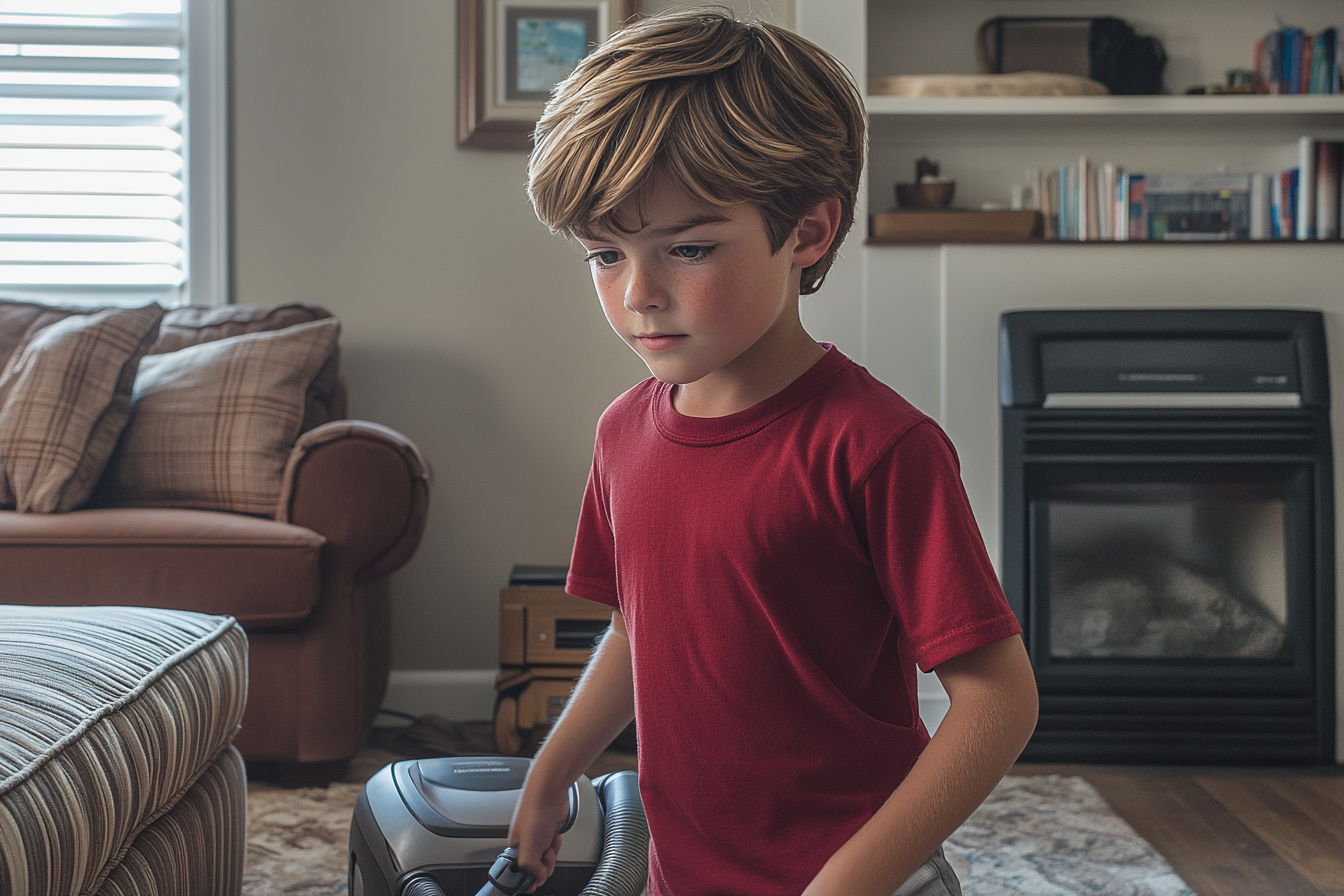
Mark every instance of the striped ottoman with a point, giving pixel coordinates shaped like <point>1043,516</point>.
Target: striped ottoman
<point>118,773</point>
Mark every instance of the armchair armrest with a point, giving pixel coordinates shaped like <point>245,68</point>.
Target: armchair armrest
<point>363,486</point>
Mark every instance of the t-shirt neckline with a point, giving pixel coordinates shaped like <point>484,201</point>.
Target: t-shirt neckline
<point>710,431</point>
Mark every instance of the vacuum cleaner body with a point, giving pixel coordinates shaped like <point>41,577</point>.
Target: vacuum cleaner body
<point>448,819</point>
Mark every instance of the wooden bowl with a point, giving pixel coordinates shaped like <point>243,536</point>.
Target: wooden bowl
<point>935,195</point>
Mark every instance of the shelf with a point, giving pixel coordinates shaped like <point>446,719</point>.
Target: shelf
<point>1089,106</point>
<point>1040,241</point>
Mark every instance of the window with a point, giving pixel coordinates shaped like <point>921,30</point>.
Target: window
<point>112,151</point>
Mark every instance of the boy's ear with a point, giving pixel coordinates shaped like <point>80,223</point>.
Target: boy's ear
<point>816,232</point>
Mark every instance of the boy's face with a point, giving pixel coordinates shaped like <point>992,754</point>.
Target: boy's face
<point>696,291</point>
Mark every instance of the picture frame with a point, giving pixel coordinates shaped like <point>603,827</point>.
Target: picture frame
<point>510,53</point>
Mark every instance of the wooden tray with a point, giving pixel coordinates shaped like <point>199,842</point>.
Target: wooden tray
<point>934,226</point>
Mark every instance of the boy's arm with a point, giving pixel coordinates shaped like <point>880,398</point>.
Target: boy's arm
<point>602,704</point>
<point>993,713</point>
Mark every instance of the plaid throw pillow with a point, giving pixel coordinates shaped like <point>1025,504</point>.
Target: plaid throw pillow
<point>64,398</point>
<point>212,424</point>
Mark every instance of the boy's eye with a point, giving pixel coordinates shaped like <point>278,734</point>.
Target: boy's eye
<point>692,253</point>
<point>603,258</point>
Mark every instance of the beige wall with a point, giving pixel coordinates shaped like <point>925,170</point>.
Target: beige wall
<point>467,325</point>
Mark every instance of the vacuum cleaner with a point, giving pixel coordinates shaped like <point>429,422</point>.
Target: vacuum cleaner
<point>439,827</point>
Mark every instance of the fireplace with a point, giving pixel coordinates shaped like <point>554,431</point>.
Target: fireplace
<point>1168,526</point>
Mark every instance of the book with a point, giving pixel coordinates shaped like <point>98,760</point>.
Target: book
<point>1285,204</point>
<point>1276,199</point>
<point>1270,63</point>
<point>1261,228</point>
<point>1106,201</point>
<point>1322,59</point>
<point>1138,208</point>
<point>1328,179</point>
<point>1088,201</point>
<point>1121,219</point>
<point>1198,206</point>
<point>1082,178</point>
<point>1305,215</point>
<point>1089,216</point>
<point>1303,71</point>
<point>1290,60</point>
<point>1068,204</point>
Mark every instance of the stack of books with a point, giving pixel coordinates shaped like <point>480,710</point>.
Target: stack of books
<point>1085,201</point>
<point>1090,201</point>
<point>1291,60</point>
<point>1305,200</point>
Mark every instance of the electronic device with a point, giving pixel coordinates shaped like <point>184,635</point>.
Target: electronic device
<point>439,827</point>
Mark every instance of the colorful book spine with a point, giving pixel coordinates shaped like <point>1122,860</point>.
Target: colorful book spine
<point>1328,179</point>
<point>1261,221</point>
<point>1304,216</point>
<point>1290,60</point>
<point>1288,204</point>
<point>1138,208</point>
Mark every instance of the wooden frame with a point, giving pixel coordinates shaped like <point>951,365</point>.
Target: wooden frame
<point>501,84</point>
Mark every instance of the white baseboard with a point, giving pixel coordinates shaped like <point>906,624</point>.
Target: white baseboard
<point>469,694</point>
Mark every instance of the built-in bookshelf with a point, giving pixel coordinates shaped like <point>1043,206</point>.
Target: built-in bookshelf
<point>987,144</point>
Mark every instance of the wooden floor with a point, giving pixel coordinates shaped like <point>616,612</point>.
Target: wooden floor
<point>1232,832</point>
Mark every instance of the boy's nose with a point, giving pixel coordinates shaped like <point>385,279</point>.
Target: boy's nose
<point>642,293</point>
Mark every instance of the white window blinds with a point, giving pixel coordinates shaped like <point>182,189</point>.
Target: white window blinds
<point>96,189</point>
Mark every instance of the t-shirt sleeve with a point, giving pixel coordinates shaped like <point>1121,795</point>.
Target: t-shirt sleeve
<point>928,551</point>
<point>592,568</point>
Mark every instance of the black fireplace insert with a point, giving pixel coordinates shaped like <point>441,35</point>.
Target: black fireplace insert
<point>1168,532</point>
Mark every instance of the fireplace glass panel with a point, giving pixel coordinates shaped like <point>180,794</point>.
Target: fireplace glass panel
<point>1168,571</point>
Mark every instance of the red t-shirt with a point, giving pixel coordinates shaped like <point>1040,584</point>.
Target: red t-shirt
<point>781,571</point>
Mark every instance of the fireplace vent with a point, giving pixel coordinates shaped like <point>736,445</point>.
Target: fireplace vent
<point>1168,532</point>
<point>1192,433</point>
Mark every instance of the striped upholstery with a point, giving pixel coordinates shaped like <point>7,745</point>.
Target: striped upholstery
<point>117,771</point>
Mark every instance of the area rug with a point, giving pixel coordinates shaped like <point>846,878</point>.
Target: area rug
<point>1055,836</point>
<point>1040,836</point>
<point>297,840</point>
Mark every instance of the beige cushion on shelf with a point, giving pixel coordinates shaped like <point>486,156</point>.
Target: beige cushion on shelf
<point>212,424</point>
<point>64,399</point>
<point>1015,84</point>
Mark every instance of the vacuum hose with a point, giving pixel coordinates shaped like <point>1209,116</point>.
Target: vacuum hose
<point>422,885</point>
<point>623,869</point>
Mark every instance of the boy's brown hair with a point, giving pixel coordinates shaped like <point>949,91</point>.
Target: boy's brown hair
<point>729,111</point>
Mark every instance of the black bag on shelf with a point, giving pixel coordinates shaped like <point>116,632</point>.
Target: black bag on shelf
<point>1128,63</point>
<point>1105,49</point>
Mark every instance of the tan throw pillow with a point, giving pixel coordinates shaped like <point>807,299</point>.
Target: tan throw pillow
<point>212,424</point>
<point>64,399</point>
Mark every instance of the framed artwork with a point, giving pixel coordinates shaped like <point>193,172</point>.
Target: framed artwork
<point>510,53</point>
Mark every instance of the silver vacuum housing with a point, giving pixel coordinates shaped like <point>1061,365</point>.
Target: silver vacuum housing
<point>449,818</point>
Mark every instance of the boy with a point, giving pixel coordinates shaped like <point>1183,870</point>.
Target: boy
<point>781,537</point>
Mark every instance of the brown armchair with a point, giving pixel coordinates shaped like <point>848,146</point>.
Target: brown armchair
<point>307,581</point>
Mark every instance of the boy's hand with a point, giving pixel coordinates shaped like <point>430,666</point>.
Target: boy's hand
<point>535,832</point>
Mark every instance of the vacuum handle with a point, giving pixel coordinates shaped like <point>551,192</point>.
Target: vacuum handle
<point>506,878</point>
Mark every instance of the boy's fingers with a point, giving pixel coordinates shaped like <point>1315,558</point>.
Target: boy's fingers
<point>547,865</point>
<point>537,861</point>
